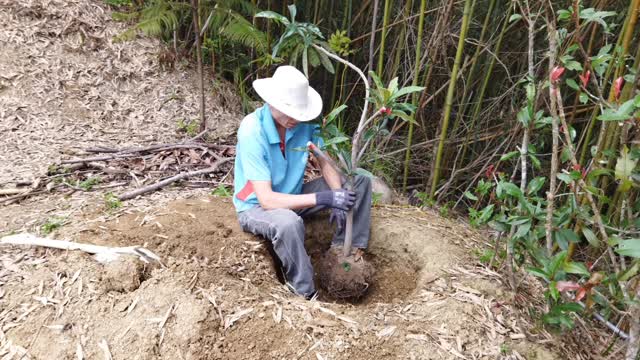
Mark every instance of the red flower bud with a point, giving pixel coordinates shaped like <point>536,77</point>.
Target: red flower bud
<point>617,87</point>
<point>585,78</point>
<point>490,171</point>
<point>556,74</point>
<point>576,167</point>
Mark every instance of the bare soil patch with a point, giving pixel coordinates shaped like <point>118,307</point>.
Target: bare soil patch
<point>219,296</point>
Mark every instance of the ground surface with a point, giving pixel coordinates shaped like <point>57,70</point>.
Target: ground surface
<point>64,86</point>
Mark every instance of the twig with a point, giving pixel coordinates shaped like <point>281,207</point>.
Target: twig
<point>165,182</point>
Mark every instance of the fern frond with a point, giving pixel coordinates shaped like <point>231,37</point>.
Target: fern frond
<point>240,31</point>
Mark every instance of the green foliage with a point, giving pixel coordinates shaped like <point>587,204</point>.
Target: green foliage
<point>52,223</point>
<point>340,43</point>
<point>297,41</point>
<point>189,127</point>
<point>375,198</point>
<point>118,3</point>
<point>222,191</point>
<point>88,184</point>
<point>111,201</point>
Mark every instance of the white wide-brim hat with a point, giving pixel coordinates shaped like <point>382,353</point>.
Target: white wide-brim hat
<point>289,92</point>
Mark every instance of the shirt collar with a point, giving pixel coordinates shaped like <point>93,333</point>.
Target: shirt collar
<point>269,126</point>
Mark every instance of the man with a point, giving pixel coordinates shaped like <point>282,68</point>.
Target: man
<point>269,193</point>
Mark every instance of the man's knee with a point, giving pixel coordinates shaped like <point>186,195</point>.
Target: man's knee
<point>287,222</point>
<point>363,183</point>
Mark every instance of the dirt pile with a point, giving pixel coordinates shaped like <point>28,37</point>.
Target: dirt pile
<point>219,296</point>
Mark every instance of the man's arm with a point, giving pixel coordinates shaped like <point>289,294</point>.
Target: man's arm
<point>330,174</point>
<point>270,199</point>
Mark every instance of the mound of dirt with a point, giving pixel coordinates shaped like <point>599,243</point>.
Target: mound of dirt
<point>344,277</point>
<point>219,296</point>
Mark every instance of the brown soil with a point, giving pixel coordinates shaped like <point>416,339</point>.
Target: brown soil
<point>218,296</point>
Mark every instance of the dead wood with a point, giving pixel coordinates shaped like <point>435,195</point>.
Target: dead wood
<point>165,182</point>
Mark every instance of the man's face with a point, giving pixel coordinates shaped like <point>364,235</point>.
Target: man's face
<point>282,119</point>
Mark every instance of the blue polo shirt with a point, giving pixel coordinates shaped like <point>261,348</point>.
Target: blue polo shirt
<point>260,156</point>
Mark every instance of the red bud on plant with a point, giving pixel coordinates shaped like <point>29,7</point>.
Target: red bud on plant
<point>617,87</point>
<point>567,286</point>
<point>556,74</point>
<point>490,171</point>
<point>585,78</point>
<point>576,167</point>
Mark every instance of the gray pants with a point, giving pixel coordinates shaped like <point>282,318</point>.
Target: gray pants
<point>285,229</point>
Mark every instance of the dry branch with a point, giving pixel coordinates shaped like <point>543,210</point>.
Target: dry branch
<point>103,253</point>
<point>165,182</point>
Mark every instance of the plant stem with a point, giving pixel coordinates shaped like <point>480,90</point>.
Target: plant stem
<point>553,52</point>
<point>449,100</point>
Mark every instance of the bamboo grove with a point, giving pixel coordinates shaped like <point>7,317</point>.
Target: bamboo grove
<point>527,121</point>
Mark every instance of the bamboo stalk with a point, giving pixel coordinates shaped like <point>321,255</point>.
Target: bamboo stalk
<point>414,96</point>
<point>485,83</point>
<point>449,100</point>
<point>383,38</point>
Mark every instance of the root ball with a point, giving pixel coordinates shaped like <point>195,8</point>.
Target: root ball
<point>344,277</point>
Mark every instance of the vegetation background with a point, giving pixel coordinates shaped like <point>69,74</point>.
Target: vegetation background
<point>526,119</point>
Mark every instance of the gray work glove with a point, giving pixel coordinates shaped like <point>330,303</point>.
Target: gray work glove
<point>338,217</point>
<point>337,199</point>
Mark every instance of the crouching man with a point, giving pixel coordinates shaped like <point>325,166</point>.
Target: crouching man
<point>269,194</point>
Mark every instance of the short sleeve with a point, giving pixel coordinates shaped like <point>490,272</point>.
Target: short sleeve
<point>253,159</point>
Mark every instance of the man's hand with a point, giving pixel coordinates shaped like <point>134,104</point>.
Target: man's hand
<point>339,217</point>
<point>337,199</point>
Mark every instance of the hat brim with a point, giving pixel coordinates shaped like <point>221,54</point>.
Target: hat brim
<point>266,90</point>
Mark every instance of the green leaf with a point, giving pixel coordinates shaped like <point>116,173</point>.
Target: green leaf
<point>326,62</point>
<point>573,84</point>
<point>565,155</point>
<point>538,272</point>
<point>293,11</point>
<point>536,184</point>
<point>535,161</point>
<point>336,140</point>
<point>485,214</point>
<point>509,155</point>
<point>583,98</point>
<point>631,272</point>
<point>629,247</point>
<point>591,237</point>
<point>512,189</point>
<point>404,91</point>
<point>515,17</point>
<point>523,230</point>
<point>573,65</point>
<point>470,196</point>
<point>566,178</point>
<point>624,168</point>
<point>570,235</point>
<point>334,113</point>
<point>576,268</point>
<point>273,16</point>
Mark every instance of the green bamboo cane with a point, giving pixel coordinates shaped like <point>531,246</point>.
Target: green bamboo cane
<point>485,83</point>
<point>610,70</point>
<point>414,96</point>
<point>449,99</point>
<point>383,37</point>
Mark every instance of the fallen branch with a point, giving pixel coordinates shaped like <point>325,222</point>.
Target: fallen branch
<point>102,253</point>
<point>165,182</point>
